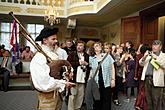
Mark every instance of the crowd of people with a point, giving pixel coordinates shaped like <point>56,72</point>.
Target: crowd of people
<point>24,52</point>
<point>10,64</point>
<point>99,72</point>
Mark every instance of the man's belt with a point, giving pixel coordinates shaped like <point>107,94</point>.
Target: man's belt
<point>149,76</point>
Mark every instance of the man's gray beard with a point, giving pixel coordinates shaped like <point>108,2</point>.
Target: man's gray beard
<point>51,48</point>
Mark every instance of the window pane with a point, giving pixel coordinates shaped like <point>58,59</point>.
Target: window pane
<point>29,44</point>
<point>5,27</point>
<point>5,39</point>
<point>31,28</point>
<point>37,34</point>
<point>39,28</point>
<point>34,30</point>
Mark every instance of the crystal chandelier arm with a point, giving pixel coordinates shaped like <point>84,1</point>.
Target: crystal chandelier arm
<point>53,3</point>
<point>48,2</point>
<point>51,14</point>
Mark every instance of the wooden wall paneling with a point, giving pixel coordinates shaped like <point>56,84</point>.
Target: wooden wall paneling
<point>149,29</point>
<point>131,30</point>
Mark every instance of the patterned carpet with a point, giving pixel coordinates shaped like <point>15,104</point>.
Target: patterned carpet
<point>27,100</point>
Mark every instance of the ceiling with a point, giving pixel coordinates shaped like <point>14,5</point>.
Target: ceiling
<point>111,12</point>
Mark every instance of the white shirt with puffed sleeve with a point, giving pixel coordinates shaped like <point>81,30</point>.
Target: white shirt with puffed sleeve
<point>39,70</point>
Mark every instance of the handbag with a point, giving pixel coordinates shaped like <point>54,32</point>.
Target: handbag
<point>97,69</point>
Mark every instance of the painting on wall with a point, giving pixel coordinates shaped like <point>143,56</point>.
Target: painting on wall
<point>114,29</point>
<point>111,33</point>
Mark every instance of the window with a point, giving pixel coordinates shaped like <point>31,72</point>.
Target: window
<point>34,30</point>
<point>5,34</point>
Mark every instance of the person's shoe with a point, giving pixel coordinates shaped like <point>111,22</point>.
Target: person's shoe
<point>134,99</point>
<point>116,102</point>
<point>5,90</point>
<point>137,108</point>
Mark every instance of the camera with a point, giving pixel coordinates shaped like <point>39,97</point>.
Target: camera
<point>83,68</point>
<point>149,53</point>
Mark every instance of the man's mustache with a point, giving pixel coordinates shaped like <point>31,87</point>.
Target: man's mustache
<point>55,43</point>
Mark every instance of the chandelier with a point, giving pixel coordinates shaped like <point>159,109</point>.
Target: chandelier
<point>51,14</point>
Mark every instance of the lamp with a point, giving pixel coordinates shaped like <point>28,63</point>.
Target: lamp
<point>51,14</point>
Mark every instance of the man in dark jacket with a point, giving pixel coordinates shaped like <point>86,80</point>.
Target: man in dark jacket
<point>5,69</point>
<point>79,61</point>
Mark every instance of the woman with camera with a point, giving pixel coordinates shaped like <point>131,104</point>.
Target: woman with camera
<point>105,77</point>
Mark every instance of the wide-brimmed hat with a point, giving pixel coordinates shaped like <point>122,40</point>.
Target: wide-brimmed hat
<point>46,32</point>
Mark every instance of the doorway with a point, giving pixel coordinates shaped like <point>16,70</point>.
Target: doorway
<point>153,24</point>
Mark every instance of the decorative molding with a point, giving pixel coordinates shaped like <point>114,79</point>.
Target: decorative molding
<point>9,8</point>
<point>101,2</point>
<point>66,9</point>
<point>35,11</point>
<point>80,10</point>
<point>41,11</point>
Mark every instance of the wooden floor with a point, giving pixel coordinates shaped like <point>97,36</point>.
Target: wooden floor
<point>27,100</point>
